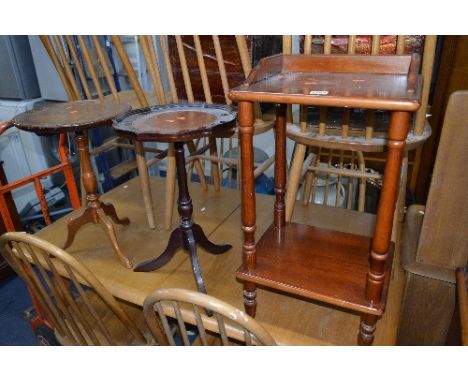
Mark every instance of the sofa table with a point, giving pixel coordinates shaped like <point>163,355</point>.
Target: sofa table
<point>345,270</point>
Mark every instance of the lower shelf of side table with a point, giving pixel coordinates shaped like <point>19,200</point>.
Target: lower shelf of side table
<point>316,263</point>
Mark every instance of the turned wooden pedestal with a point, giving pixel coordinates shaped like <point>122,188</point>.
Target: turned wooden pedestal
<point>345,270</point>
<point>78,117</point>
<point>179,123</point>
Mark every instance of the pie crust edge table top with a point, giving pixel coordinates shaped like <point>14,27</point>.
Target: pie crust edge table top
<point>175,122</point>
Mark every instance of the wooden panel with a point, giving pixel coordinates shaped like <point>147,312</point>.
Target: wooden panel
<point>443,236</point>
<point>451,76</point>
<point>427,312</point>
<point>338,63</point>
<point>462,294</point>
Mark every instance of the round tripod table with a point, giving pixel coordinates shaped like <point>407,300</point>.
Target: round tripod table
<point>179,123</point>
<point>78,117</point>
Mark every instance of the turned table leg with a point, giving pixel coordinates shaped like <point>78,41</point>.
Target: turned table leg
<point>279,217</point>
<point>188,234</point>
<point>383,228</point>
<point>246,122</point>
<point>96,211</point>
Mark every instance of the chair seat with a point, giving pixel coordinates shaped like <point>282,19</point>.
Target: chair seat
<point>356,139</point>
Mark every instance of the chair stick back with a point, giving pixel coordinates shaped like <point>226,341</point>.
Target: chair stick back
<point>335,157</point>
<point>207,315</point>
<point>66,301</point>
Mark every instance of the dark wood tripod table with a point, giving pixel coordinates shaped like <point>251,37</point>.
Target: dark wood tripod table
<point>179,123</point>
<point>349,271</point>
<point>78,117</point>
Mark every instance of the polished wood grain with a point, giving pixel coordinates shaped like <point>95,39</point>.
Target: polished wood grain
<point>246,122</point>
<point>96,212</point>
<point>188,234</point>
<point>344,81</point>
<point>321,264</point>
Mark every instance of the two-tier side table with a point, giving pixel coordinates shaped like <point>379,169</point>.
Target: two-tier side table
<point>78,117</point>
<point>179,123</point>
<point>341,269</point>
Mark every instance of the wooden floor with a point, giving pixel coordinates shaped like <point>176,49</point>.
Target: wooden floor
<point>291,321</point>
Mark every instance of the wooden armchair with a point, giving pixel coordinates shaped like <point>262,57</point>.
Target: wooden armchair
<point>434,237</point>
<point>79,309</point>
<point>334,146</point>
<point>214,319</point>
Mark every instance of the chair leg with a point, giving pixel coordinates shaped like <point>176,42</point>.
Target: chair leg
<point>197,164</point>
<point>399,215</point>
<point>294,179</point>
<point>170,186</point>
<point>214,165</point>
<point>307,187</point>
<point>144,181</point>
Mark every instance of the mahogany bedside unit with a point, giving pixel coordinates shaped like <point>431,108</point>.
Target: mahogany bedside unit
<point>341,269</point>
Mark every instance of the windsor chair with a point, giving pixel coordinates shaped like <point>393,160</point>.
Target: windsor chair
<point>79,309</point>
<point>334,146</point>
<point>216,321</point>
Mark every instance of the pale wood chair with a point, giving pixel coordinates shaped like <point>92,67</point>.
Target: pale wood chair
<point>214,319</point>
<point>434,241</point>
<point>79,308</point>
<point>335,149</point>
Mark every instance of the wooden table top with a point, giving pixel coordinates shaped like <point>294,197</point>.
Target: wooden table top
<point>175,122</point>
<point>355,81</point>
<point>291,320</point>
<point>69,116</point>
